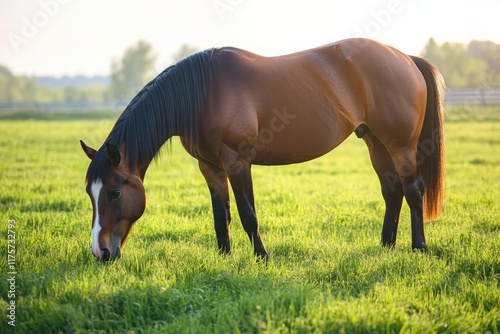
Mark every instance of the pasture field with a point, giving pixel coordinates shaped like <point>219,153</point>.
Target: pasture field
<point>320,221</point>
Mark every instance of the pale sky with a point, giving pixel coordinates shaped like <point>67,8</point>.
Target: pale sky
<point>69,37</point>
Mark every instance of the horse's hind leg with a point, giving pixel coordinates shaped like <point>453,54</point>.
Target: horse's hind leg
<point>219,191</point>
<point>413,189</point>
<point>392,188</point>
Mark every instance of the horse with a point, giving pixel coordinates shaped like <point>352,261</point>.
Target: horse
<point>232,109</point>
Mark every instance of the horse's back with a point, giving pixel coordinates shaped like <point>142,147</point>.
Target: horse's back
<point>293,108</point>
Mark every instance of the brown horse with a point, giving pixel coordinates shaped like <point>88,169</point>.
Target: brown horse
<point>233,108</point>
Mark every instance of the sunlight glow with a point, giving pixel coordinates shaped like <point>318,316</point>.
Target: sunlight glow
<point>68,37</point>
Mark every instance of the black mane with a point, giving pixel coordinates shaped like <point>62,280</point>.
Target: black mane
<point>168,105</point>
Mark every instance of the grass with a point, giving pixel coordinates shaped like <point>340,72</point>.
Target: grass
<point>321,223</point>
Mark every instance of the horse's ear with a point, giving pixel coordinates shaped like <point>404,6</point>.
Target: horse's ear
<point>113,154</point>
<point>89,151</point>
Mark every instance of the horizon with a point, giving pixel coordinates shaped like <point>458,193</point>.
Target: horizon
<point>59,38</point>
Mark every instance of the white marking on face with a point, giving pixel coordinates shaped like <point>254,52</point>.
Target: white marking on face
<point>95,190</point>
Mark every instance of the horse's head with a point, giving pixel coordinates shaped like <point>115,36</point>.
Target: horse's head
<point>118,200</point>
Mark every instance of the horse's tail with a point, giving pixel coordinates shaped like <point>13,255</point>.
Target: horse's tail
<point>430,156</point>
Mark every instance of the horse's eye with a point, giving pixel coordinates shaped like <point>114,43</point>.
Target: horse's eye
<point>115,194</point>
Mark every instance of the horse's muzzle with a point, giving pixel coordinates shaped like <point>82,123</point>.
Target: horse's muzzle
<point>106,255</point>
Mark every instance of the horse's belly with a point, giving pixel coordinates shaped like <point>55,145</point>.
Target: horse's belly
<point>299,142</point>
<point>283,159</point>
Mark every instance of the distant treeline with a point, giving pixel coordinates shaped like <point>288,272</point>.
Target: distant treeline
<point>128,75</point>
<point>476,64</point>
<point>18,89</point>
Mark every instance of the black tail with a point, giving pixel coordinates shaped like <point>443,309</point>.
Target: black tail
<point>431,141</point>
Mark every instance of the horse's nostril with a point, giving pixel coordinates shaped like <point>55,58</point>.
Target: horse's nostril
<point>105,255</point>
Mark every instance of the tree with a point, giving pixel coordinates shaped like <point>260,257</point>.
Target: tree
<point>72,94</point>
<point>30,90</point>
<point>132,72</point>
<point>184,51</point>
<point>5,76</point>
<point>15,89</point>
<point>489,52</point>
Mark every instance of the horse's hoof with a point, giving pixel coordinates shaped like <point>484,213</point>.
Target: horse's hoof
<point>262,258</point>
<point>389,245</point>
<point>420,249</point>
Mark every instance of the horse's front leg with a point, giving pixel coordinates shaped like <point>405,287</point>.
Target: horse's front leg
<point>219,192</point>
<point>241,181</point>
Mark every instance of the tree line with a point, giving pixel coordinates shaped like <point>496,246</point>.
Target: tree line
<point>476,64</point>
<point>128,76</point>
<point>18,89</point>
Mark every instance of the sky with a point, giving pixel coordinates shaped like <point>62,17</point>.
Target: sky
<point>83,37</point>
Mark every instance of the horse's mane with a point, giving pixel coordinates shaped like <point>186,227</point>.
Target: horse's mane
<point>169,104</point>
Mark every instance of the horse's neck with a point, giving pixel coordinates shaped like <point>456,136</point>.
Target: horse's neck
<point>168,106</point>
<point>148,144</point>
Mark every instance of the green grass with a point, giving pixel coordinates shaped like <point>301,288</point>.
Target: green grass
<point>320,221</point>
